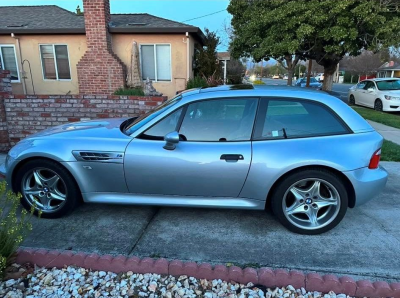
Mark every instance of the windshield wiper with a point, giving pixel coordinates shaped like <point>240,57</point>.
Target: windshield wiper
<point>284,133</point>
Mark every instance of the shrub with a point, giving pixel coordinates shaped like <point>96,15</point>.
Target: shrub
<point>14,225</point>
<point>129,91</point>
<point>213,80</point>
<point>258,82</point>
<point>196,82</point>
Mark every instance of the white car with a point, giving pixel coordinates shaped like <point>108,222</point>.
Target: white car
<point>381,94</point>
<point>319,77</point>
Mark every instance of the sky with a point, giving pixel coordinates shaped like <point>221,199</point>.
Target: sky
<point>177,10</point>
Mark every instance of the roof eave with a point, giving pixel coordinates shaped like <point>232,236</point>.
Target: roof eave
<point>43,31</point>
<point>194,30</point>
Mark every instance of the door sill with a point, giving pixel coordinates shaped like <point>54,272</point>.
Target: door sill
<point>170,200</point>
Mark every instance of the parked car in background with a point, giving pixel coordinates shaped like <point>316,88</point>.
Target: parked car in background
<point>320,77</point>
<point>381,94</point>
<point>276,77</point>
<point>285,77</point>
<point>302,82</point>
<point>225,147</point>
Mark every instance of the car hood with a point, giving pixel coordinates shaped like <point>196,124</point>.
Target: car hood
<point>392,92</point>
<point>102,128</point>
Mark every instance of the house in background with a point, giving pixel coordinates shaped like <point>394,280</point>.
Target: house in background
<point>50,50</point>
<point>389,70</point>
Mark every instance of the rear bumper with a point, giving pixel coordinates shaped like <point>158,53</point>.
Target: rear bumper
<point>367,183</point>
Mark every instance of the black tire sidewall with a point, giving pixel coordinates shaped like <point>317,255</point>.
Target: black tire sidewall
<point>73,193</point>
<point>375,108</point>
<point>352,100</point>
<point>282,187</point>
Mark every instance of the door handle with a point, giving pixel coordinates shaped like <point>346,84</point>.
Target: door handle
<point>231,157</point>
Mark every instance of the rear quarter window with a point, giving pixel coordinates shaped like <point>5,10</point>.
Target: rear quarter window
<point>296,119</point>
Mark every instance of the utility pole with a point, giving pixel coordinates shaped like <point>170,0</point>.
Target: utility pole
<point>309,72</point>
<point>261,69</point>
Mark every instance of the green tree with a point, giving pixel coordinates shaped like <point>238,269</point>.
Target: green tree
<point>322,30</point>
<point>206,61</point>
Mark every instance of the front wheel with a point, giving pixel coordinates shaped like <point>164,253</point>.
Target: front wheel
<point>352,100</point>
<point>310,202</point>
<point>378,106</point>
<point>47,187</point>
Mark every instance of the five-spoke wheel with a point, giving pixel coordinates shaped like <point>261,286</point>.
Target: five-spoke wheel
<point>310,201</point>
<point>47,187</point>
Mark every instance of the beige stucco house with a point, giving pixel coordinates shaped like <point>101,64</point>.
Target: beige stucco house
<point>42,45</point>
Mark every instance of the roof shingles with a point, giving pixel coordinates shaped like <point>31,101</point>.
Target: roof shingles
<point>54,19</point>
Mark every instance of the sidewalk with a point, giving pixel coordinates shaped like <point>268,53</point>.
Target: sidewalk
<point>389,133</point>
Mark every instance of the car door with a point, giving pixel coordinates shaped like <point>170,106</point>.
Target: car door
<point>212,158</point>
<point>369,94</point>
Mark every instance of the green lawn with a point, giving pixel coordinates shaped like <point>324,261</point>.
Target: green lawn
<point>390,151</point>
<point>389,119</point>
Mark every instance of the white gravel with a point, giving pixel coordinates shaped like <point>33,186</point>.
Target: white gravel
<point>80,282</point>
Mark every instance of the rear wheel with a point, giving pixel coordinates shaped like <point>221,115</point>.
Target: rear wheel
<point>310,201</point>
<point>352,100</point>
<point>378,106</point>
<point>47,187</point>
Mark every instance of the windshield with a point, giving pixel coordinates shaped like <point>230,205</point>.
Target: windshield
<point>389,85</point>
<point>145,118</point>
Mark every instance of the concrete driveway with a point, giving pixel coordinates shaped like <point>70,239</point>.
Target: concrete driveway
<point>365,245</point>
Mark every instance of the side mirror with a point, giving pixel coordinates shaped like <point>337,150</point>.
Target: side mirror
<point>370,90</point>
<point>171,139</point>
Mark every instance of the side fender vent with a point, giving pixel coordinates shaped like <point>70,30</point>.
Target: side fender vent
<point>100,156</point>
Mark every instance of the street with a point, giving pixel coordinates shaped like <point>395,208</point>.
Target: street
<point>364,245</point>
<point>341,89</point>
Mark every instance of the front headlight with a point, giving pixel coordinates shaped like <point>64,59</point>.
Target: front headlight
<point>388,97</point>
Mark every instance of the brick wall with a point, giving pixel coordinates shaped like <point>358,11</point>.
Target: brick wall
<point>5,91</point>
<point>100,71</point>
<point>27,114</point>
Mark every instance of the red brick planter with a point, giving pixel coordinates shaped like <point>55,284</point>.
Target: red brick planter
<point>263,276</point>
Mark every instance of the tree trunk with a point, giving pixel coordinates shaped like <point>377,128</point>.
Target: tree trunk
<point>309,73</point>
<point>290,77</point>
<point>329,71</point>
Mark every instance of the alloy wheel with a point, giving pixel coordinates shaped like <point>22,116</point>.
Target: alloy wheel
<point>378,106</point>
<point>44,189</point>
<point>311,203</point>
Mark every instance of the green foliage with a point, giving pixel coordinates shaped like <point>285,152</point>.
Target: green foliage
<point>205,58</point>
<point>235,71</point>
<point>196,82</point>
<point>315,29</point>
<point>350,78</point>
<point>129,91</point>
<point>389,119</point>
<point>213,80</point>
<point>14,224</point>
<point>258,82</point>
<point>300,68</point>
<point>390,151</point>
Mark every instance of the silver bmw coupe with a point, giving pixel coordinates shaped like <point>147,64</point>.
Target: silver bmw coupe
<point>303,153</point>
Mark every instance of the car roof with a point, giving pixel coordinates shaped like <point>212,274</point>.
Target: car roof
<point>381,79</point>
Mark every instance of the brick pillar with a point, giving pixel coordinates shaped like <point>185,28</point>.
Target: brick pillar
<point>5,90</point>
<point>100,71</point>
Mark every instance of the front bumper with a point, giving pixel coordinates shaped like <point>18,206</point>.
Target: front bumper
<point>367,183</point>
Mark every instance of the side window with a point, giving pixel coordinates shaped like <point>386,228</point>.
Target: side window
<point>219,120</point>
<point>361,85</point>
<point>369,85</point>
<point>163,127</point>
<point>294,119</point>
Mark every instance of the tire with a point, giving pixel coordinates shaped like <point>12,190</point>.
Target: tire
<point>378,106</point>
<point>312,212</point>
<point>47,186</point>
<point>352,100</point>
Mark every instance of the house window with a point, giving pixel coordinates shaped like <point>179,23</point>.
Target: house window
<point>8,61</point>
<point>55,62</point>
<point>156,62</point>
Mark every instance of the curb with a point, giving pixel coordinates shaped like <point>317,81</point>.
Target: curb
<point>263,276</point>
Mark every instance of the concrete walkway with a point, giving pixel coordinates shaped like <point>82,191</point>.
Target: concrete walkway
<point>389,133</point>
